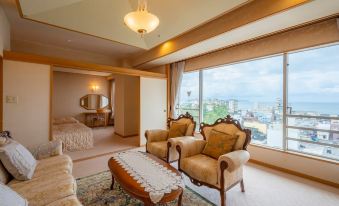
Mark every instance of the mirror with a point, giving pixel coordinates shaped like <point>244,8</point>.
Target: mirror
<point>94,101</point>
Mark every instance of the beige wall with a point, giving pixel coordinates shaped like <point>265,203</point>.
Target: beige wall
<point>312,167</point>
<point>4,32</point>
<point>68,88</point>
<point>28,119</point>
<point>126,107</point>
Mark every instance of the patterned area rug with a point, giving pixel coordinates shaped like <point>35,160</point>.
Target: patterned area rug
<point>95,190</point>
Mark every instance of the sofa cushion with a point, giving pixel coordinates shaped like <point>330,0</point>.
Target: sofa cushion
<point>9,197</point>
<point>158,149</point>
<point>177,130</point>
<point>17,160</point>
<point>201,167</point>
<point>219,143</point>
<point>45,189</point>
<point>5,177</point>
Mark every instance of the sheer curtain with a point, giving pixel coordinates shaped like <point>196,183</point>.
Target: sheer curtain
<point>177,71</point>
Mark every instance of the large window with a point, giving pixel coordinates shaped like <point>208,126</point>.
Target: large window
<point>250,92</point>
<point>313,102</point>
<point>255,92</point>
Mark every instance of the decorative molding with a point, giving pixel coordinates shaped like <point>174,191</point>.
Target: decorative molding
<point>32,58</point>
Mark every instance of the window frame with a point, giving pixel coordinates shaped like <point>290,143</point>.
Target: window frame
<point>285,114</point>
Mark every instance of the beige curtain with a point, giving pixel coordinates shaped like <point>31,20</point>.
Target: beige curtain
<point>177,70</point>
<point>112,97</point>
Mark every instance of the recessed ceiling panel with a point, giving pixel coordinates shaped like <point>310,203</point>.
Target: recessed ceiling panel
<point>104,18</point>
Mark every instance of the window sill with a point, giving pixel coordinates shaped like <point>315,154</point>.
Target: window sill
<point>296,154</point>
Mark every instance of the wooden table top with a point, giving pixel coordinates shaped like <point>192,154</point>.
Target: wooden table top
<point>133,188</point>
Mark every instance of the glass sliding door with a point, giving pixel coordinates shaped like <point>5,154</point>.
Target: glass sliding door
<point>250,92</point>
<point>313,102</point>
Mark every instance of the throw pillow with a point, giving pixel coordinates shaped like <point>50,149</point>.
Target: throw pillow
<point>9,197</point>
<point>177,130</point>
<point>219,143</point>
<point>17,160</point>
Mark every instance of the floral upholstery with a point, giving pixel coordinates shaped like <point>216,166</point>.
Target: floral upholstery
<point>52,182</point>
<point>45,189</point>
<point>201,167</point>
<point>157,140</point>
<point>158,149</point>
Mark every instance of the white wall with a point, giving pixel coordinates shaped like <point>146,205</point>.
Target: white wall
<point>312,167</point>
<point>28,119</point>
<point>153,104</point>
<point>4,32</point>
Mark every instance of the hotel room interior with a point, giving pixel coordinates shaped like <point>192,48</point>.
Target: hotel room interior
<point>169,102</point>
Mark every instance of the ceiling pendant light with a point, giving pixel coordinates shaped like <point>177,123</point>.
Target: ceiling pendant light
<point>141,21</point>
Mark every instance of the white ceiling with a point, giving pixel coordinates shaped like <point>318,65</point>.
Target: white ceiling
<point>31,31</point>
<point>304,13</point>
<point>104,18</point>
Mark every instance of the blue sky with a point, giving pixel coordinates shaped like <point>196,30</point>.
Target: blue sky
<point>313,77</point>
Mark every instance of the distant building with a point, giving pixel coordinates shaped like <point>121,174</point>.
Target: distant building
<point>232,106</point>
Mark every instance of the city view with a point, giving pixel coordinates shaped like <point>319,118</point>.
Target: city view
<point>255,99</point>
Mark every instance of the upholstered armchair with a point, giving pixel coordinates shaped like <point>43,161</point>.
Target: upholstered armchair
<point>160,143</point>
<point>220,173</point>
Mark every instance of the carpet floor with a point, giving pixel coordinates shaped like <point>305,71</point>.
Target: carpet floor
<point>95,190</point>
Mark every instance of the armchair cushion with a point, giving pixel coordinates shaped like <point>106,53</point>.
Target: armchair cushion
<point>158,149</point>
<point>156,135</point>
<point>201,167</point>
<point>190,146</point>
<point>235,159</point>
<point>219,143</point>
<point>177,130</point>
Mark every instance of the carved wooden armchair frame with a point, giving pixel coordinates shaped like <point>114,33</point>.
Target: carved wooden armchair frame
<point>170,142</point>
<point>223,165</point>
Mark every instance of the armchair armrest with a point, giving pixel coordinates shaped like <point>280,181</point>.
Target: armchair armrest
<point>190,146</point>
<point>156,135</point>
<point>52,148</point>
<point>234,159</point>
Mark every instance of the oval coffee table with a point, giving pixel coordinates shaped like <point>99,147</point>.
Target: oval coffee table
<point>134,189</point>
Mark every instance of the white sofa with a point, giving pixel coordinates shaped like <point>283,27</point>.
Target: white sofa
<point>52,183</point>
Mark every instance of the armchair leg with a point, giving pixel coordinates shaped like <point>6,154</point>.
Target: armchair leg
<point>242,186</point>
<point>222,197</point>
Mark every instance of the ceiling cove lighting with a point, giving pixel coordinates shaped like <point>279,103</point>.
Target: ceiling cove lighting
<point>141,21</point>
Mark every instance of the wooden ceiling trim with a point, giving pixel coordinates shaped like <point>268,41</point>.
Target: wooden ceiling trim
<point>32,58</point>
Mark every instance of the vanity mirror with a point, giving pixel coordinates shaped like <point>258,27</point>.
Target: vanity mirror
<point>94,101</point>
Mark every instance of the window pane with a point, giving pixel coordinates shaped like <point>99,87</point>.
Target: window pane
<point>313,97</point>
<point>314,149</point>
<point>250,92</point>
<point>313,82</point>
<point>189,96</point>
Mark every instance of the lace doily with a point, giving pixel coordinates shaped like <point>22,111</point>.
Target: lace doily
<point>154,177</point>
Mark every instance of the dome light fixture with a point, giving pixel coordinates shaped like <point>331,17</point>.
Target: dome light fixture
<point>141,21</point>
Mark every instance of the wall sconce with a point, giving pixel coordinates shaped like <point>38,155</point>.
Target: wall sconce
<point>94,88</point>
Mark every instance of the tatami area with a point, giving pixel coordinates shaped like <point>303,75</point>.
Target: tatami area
<point>264,186</point>
<point>105,142</point>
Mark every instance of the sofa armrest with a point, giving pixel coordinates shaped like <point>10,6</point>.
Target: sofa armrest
<point>156,135</point>
<point>234,159</point>
<point>190,146</point>
<point>52,148</point>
